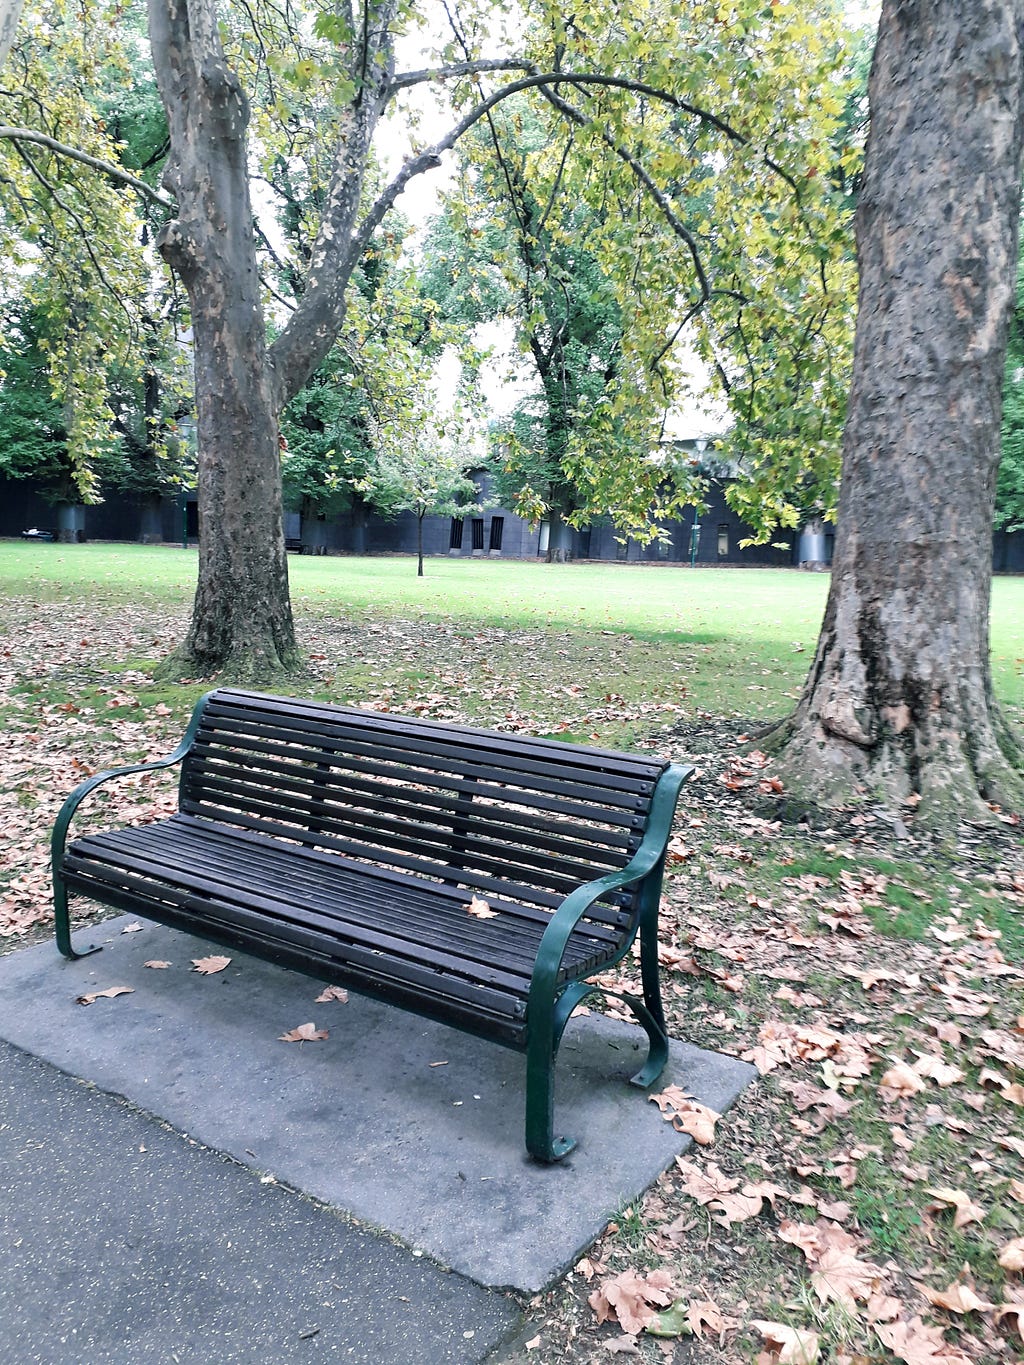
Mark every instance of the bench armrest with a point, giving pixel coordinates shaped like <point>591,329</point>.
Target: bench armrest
<point>644,861</point>
<point>60,829</point>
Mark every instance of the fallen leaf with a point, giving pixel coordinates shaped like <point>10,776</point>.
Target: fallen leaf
<point>687,1115</point>
<point>789,1345</point>
<point>632,1300</point>
<point>332,993</point>
<point>132,929</point>
<point>840,1276</point>
<point>917,1344</point>
<point>966,1210</point>
<point>705,1185</point>
<point>622,1346</point>
<point>108,994</point>
<point>156,964</point>
<point>480,909</point>
<point>901,1080</point>
<point>1011,1257</point>
<point>672,1322</point>
<point>935,1069</point>
<point>305,1033</point>
<point>958,1298</point>
<point>206,966</point>
<point>1012,1308</point>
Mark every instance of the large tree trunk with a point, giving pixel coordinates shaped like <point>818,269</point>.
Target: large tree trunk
<point>899,697</point>
<point>242,618</point>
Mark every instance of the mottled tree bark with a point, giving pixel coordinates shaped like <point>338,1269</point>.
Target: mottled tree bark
<point>899,697</point>
<point>242,618</point>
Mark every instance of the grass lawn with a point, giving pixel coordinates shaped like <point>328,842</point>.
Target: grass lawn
<point>868,1191</point>
<point>730,641</point>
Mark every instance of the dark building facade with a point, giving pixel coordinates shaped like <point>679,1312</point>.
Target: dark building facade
<point>711,537</point>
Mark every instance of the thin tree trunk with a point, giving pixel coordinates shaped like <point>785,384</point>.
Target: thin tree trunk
<point>419,545</point>
<point>559,537</point>
<point>899,702</point>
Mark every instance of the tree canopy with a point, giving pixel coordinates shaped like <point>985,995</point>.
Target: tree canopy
<point>699,139</point>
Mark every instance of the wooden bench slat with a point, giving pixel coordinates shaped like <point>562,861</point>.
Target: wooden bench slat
<point>462,759</point>
<point>325,716</point>
<point>434,803</point>
<point>340,918</point>
<point>228,856</point>
<point>378,836</point>
<point>627,814</point>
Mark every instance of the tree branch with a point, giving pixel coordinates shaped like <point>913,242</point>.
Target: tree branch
<point>123,177</point>
<point>577,116</point>
<point>468,68</point>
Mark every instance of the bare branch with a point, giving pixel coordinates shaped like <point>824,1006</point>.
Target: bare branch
<point>106,168</point>
<point>468,68</point>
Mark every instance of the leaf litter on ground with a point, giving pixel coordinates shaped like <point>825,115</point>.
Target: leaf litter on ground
<point>872,975</point>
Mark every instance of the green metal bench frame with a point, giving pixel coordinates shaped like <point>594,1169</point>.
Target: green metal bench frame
<point>551,1001</point>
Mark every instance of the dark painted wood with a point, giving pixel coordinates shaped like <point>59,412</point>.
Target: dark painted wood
<point>349,844</point>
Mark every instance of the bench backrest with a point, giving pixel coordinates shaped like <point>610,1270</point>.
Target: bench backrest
<point>506,817</point>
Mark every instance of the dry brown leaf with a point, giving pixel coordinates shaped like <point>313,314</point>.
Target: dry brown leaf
<point>622,1346</point>
<point>109,994</point>
<point>803,1235</point>
<point>966,1210</point>
<point>132,929</point>
<point>332,993</point>
<point>737,1208</point>
<point>901,1080</point>
<point>841,1277</point>
<point>632,1300</point>
<point>1012,1308</point>
<point>917,1344</point>
<point>479,908</point>
<point>1011,1257</point>
<point>958,1298</point>
<point>789,1345</point>
<point>686,1114</point>
<point>935,1069</point>
<point>156,964</point>
<point>305,1033</point>
<point>883,1308</point>
<point>207,966</point>
<point>705,1185</point>
<point>704,1315</point>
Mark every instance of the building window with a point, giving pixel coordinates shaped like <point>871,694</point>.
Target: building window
<point>723,539</point>
<point>497,531</point>
<point>478,533</point>
<point>455,539</point>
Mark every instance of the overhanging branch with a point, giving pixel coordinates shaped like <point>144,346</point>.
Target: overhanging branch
<point>106,168</point>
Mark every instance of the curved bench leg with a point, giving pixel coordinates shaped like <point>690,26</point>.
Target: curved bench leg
<point>651,1013</point>
<point>62,922</point>
<point>657,1043</point>
<point>545,1034</point>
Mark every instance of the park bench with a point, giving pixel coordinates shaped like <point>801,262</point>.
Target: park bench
<point>361,849</point>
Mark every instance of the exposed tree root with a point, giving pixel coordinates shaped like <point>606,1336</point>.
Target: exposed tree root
<point>247,667</point>
<point>945,773</point>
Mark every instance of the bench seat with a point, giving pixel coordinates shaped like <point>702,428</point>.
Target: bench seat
<point>351,846</point>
